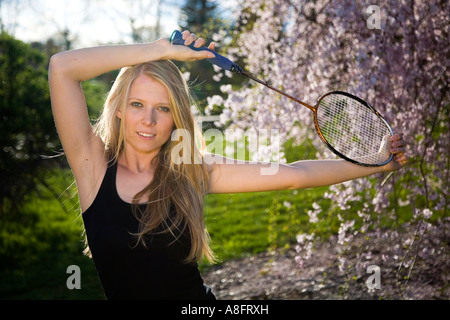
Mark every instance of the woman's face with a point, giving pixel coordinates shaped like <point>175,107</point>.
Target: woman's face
<point>148,117</point>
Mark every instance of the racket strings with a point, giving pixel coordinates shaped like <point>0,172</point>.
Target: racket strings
<point>353,129</point>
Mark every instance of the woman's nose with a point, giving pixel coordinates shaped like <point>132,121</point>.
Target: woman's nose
<point>149,117</point>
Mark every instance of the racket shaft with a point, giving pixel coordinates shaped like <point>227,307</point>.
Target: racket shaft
<point>224,63</point>
<point>278,90</point>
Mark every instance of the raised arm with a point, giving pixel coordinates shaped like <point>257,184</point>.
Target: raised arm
<point>84,150</point>
<point>68,69</point>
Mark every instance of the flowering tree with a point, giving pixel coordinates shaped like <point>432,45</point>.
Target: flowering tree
<point>396,55</point>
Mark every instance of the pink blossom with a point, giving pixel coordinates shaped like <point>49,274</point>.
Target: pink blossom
<point>309,48</point>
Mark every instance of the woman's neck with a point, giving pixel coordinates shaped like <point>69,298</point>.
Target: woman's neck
<point>138,163</point>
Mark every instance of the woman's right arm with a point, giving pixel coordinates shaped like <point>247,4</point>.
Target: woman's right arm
<point>83,149</point>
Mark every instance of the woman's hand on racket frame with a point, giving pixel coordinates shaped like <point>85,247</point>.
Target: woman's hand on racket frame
<point>397,148</point>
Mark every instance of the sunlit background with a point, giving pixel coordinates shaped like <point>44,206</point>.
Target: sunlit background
<point>306,48</point>
<point>91,22</point>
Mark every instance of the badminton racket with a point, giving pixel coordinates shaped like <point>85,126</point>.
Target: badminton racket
<point>349,126</point>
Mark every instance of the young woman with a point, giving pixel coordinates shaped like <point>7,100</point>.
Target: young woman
<point>142,209</point>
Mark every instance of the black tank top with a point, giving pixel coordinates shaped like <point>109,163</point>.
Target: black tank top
<point>128,270</point>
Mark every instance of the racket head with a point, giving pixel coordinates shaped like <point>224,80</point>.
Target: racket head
<point>352,129</point>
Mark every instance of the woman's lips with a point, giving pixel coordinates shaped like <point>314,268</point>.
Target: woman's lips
<point>146,135</point>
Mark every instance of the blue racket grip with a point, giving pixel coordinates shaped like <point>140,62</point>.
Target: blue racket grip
<point>220,61</point>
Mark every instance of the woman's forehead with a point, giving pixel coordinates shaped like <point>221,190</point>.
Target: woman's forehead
<point>144,86</point>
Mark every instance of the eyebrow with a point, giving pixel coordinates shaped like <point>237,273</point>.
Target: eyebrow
<point>158,103</point>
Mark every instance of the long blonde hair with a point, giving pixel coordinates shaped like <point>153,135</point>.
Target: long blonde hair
<point>182,185</point>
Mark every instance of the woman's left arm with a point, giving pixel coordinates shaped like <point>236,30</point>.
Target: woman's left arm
<point>230,176</point>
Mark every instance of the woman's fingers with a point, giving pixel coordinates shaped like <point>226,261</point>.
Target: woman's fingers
<point>397,144</point>
<point>190,38</point>
<point>401,159</point>
<point>398,149</point>
<point>395,150</point>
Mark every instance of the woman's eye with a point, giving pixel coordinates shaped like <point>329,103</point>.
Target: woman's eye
<point>136,104</point>
<point>164,109</point>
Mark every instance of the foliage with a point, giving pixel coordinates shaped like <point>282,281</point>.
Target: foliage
<point>304,47</point>
<point>36,249</point>
<point>27,130</point>
<point>399,63</point>
<point>196,13</point>
<point>202,18</point>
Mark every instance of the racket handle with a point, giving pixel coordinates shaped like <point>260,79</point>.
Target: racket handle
<point>220,61</point>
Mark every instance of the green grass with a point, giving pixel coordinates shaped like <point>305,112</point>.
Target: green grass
<point>38,244</point>
<point>248,223</point>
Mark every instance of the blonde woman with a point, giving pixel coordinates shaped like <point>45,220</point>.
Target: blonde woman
<point>143,209</point>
